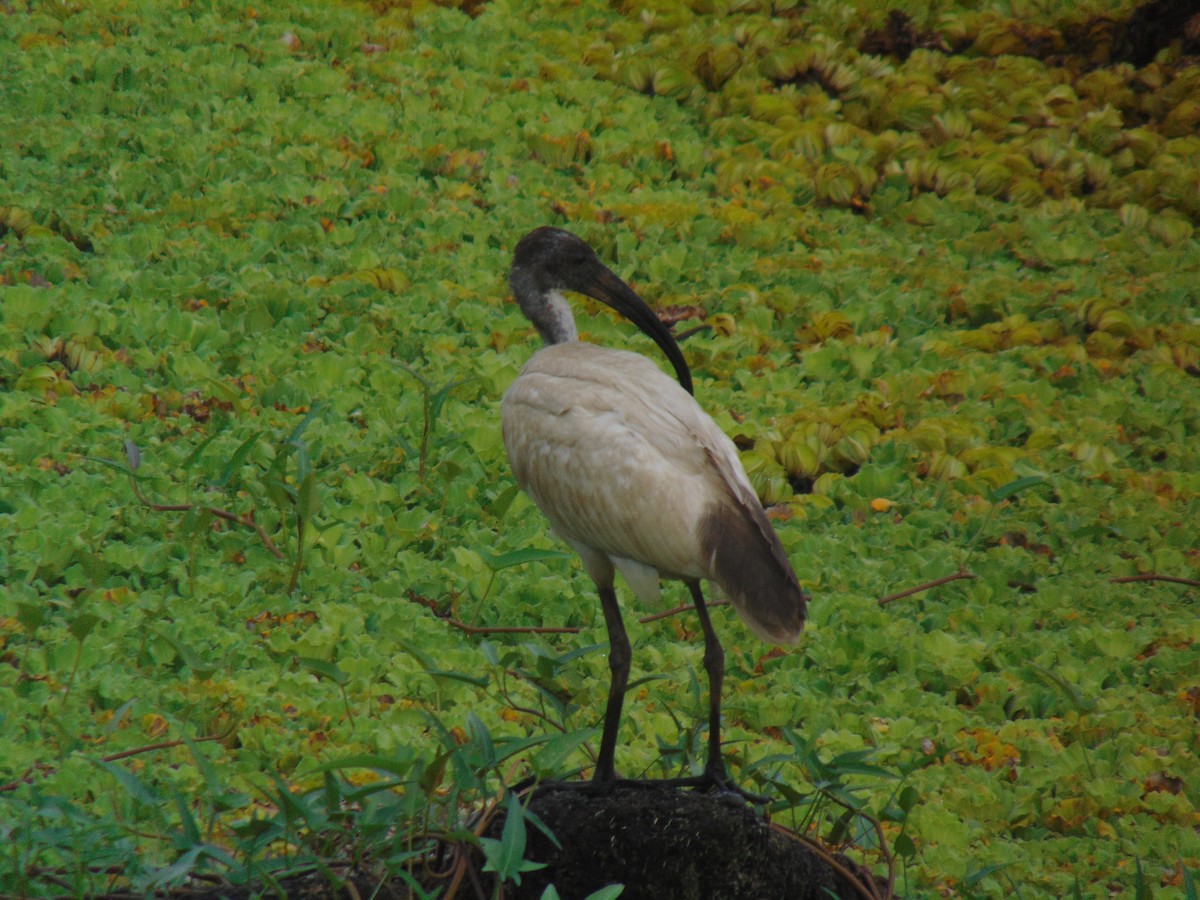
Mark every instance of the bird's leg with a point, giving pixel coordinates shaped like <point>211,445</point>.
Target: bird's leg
<point>714,664</point>
<point>619,656</point>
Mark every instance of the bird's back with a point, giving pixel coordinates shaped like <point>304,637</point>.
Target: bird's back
<point>623,461</point>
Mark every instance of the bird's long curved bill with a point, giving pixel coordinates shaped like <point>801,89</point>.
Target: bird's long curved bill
<point>610,290</point>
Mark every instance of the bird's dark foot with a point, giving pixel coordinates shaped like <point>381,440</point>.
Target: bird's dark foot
<point>716,781</point>
<point>721,783</point>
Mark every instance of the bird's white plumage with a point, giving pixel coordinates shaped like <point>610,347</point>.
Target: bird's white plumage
<point>633,474</point>
<point>622,461</point>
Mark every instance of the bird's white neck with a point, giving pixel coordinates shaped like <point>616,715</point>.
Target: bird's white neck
<point>555,321</point>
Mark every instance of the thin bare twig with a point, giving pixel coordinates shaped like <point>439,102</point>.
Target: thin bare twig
<point>867,892</point>
<point>555,629</point>
<point>878,826</point>
<point>26,777</point>
<point>937,582</point>
<point>1154,576</point>
<point>113,757</point>
<point>536,713</point>
<point>162,745</point>
<point>645,620</point>
<point>957,576</point>
<point>462,866</point>
<point>509,629</point>
<point>454,622</point>
<point>246,521</point>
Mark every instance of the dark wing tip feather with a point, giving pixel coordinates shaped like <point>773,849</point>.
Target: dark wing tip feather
<point>749,564</point>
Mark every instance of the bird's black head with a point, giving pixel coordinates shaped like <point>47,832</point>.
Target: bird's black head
<point>549,260</point>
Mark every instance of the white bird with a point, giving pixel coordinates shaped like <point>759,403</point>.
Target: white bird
<point>634,476</point>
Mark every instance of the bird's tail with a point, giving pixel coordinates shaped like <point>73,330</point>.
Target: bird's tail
<point>748,562</point>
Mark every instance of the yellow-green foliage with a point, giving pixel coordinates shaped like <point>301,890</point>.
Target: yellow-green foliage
<point>254,330</point>
<point>992,119</point>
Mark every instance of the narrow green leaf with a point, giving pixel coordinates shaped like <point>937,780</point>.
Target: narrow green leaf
<point>647,679</point>
<point>187,822</point>
<point>226,391</point>
<point>1189,883</point>
<point>522,557</point>
<point>482,737</point>
<point>1015,487</point>
<point>195,455</point>
<point>578,653</point>
<point>133,786</point>
<point>418,654</point>
<point>236,460</point>
<point>511,852</point>
<point>438,398</point>
<point>133,455</point>
<point>182,867</point>
<point>317,409</point>
<point>189,657</point>
<point>1078,702</point>
<point>1141,890</point>
<point>308,498</point>
<point>281,493</point>
<point>303,461</point>
<point>207,770</point>
<point>286,800</point>
<point>975,877</point>
<point>541,826</point>
<point>550,758</point>
<point>431,667</point>
<point>122,467</point>
<point>512,746</point>
<point>118,717</point>
<point>490,653</point>
<point>400,764</point>
<point>505,857</point>
<point>477,680</point>
<point>323,669</point>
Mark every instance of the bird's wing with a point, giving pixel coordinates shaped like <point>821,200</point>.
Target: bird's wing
<point>628,467</point>
<point>673,422</point>
<point>590,443</point>
<point>738,544</point>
